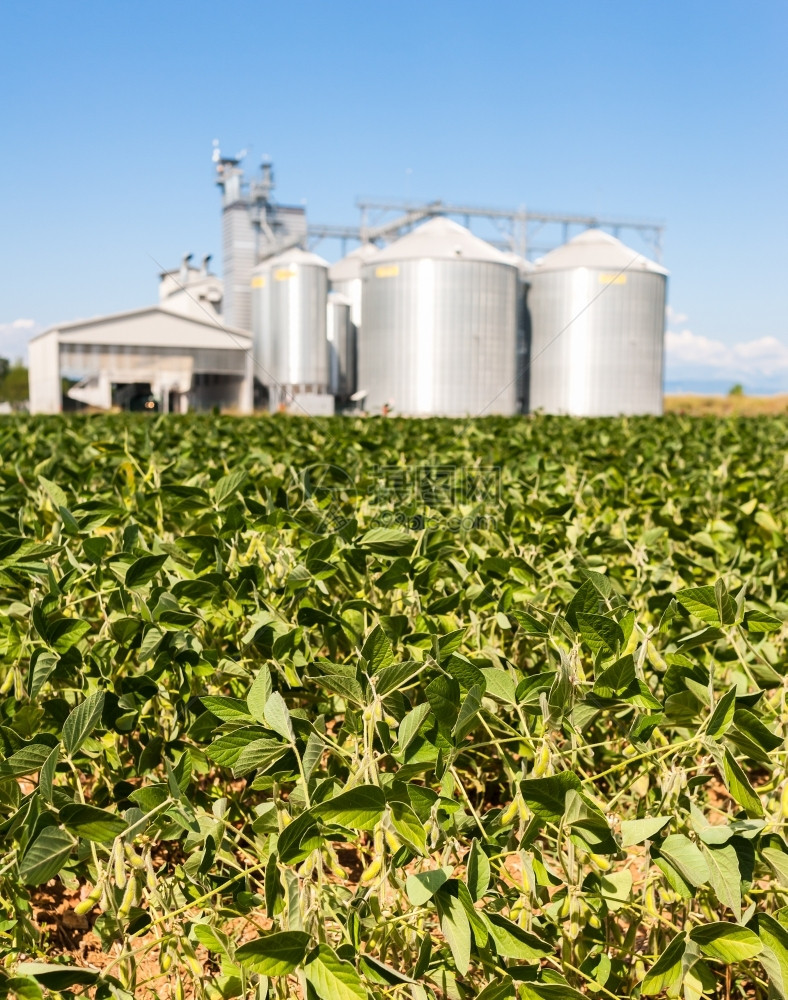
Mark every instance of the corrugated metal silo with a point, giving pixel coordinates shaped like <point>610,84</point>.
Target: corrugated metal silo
<point>261,339</point>
<point>524,271</point>
<point>345,277</point>
<point>289,304</point>
<point>598,319</point>
<point>341,336</point>
<point>439,326</point>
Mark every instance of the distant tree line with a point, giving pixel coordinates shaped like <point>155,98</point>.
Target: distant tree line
<point>13,382</point>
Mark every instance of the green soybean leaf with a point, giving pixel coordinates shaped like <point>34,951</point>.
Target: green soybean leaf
<point>468,712</point>
<point>759,623</point>
<point>774,957</point>
<point>45,856</point>
<point>727,942</point>
<point>229,484</point>
<point>360,807</point>
<point>422,886</point>
<point>410,725</point>
<point>42,665</point>
<point>722,716</point>
<point>408,827</point>
<point>740,787</point>
<point>528,624</point>
<point>331,978</point>
<point>213,939</point>
<point>550,991</point>
<point>57,977</point>
<point>455,925</point>
<point>259,693</point>
<point>724,875</point>
<point>275,954</point>
<point>377,650</point>
<point>25,761</point>
<point>66,632</point>
<point>547,796</point>
<point>143,570</point>
<point>686,858</point>
<point>46,778</point>
<point>667,972</point>
<point>601,634</point>
<point>710,604</point>
<point>81,722</point>
<point>55,493</point>
<point>635,831</point>
<point>92,823</point>
<point>511,941</point>
<point>277,717</point>
<point>302,828</point>
<point>478,871</point>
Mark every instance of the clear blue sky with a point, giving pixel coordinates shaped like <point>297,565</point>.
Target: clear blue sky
<point>675,111</point>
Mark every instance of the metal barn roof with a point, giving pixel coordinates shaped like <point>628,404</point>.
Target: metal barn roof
<point>595,248</point>
<point>441,239</point>
<point>151,327</point>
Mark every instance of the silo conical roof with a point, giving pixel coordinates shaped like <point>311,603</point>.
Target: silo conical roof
<point>523,265</point>
<point>597,249</point>
<point>295,255</point>
<point>441,239</point>
<point>349,267</point>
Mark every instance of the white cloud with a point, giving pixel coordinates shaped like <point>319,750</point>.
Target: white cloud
<point>674,317</point>
<point>688,352</point>
<point>14,337</point>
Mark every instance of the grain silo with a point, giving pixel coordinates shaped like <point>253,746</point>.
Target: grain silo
<point>345,277</point>
<point>289,328</point>
<point>261,339</point>
<point>524,271</point>
<point>598,316</point>
<point>439,325</point>
<point>341,336</point>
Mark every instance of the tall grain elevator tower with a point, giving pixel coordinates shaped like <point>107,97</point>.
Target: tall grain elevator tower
<point>253,228</point>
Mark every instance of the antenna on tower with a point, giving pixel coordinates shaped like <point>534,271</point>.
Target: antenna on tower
<point>217,153</point>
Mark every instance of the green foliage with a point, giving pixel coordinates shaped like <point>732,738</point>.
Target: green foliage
<point>277,739</point>
<point>13,382</point>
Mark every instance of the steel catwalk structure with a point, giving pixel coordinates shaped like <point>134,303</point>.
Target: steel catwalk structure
<point>289,337</point>
<point>520,230</point>
<point>598,318</point>
<point>439,325</point>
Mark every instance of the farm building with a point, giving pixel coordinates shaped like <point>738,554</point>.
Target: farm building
<point>173,357</point>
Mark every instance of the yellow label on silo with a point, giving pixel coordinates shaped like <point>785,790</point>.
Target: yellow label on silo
<point>387,271</point>
<point>258,281</point>
<point>284,274</point>
<point>612,279</point>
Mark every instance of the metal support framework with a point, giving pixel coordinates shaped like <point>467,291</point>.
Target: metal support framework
<point>517,227</point>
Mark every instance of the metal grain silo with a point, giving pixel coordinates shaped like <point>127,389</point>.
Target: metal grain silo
<point>289,324</point>
<point>345,277</point>
<point>261,326</point>
<point>598,318</point>
<point>524,271</point>
<point>439,325</point>
<point>341,336</point>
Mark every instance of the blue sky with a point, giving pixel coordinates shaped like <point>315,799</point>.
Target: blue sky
<point>672,111</point>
